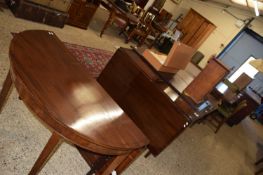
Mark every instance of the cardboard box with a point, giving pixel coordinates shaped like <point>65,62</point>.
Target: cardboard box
<point>178,58</point>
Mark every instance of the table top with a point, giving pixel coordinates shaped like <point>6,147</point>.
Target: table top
<point>58,89</point>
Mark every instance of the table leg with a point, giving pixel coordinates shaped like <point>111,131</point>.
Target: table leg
<point>125,27</point>
<point>108,22</point>
<point>129,160</point>
<point>5,90</point>
<point>147,154</point>
<point>51,146</point>
<point>112,165</point>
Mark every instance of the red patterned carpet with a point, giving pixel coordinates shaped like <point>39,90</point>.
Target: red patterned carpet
<point>94,59</point>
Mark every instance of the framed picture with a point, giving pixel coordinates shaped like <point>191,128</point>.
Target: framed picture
<point>177,1</point>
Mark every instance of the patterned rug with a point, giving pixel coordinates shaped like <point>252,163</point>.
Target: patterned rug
<point>94,59</point>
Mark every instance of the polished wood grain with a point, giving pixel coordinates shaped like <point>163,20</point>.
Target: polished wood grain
<point>57,88</point>
<point>132,84</point>
<point>206,80</point>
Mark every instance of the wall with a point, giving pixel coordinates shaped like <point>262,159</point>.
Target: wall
<point>226,28</point>
<point>241,50</point>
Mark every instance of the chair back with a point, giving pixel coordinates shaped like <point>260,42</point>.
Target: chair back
<point>163,17</point>
<point>242,81</point>
<point>145,22</point>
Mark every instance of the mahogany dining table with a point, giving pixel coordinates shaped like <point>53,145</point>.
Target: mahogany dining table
<point>59,91</point>
<point>117,12</point>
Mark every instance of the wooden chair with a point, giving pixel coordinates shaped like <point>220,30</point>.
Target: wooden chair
<point>224,111</point>
<point>142,29</point>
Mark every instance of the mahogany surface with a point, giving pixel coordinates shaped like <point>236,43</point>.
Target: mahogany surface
<point>131,83</point>
<point>57,88</point>
<point>206,80</point>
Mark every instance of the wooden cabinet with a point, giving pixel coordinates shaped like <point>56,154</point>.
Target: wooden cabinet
<point>61,5</point>
<point>206,80</point>
<point>38,13</point>
<point>81,13</point>
<point>129,80</point>
<point>195,29</point>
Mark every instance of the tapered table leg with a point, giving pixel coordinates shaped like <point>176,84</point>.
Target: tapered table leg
<point>108,22</point>
<point>112,165</point>
<point>52,144</point>
<point>5,90</point>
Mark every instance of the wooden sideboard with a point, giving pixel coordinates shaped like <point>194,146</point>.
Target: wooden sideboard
<point>76,109</point>
<point>130,81</point>
<point>81,12</point>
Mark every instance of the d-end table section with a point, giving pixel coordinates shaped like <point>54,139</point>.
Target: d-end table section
<point>57,88</point>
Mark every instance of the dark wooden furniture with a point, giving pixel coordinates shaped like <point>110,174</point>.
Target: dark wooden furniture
<point>141,3</point>
<point>57,88</point>
<point>224,112</point>
<point>38,13</point>
<point>141,30</point>
<point>206,80</point>
<point>156,30</point>
<point>60,5</point>
<point>130,80</point>
<point>260,171</point>
<point>156,6</point>
<point>252,103</point>
<point>235,93</point>
<point>199,112</point>
<point>81,12</point>
<point>117,12</point>
<point>195,29</point>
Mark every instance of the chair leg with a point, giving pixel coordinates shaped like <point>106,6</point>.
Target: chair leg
<point>130,36</point>
<point>5,90</point>
<point>123,29</point>
<point>147,154</point>
<point>220,125</point>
